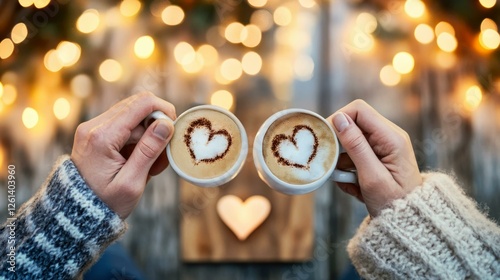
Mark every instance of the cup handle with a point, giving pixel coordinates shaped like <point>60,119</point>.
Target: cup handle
<point>344,176</point>
<point>154,116</point>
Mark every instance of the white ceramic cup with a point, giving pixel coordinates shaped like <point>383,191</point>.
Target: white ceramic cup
<point>204,182</point>
<point>279,185</point>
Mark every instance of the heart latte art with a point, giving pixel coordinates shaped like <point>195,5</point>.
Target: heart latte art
<point>205,144</point>
<point>299,148</point>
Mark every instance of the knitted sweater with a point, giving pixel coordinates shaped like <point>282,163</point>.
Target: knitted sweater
<point>435,232</point>
<point>60,231</point>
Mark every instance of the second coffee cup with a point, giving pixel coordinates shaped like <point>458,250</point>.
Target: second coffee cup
<point>209,145</point>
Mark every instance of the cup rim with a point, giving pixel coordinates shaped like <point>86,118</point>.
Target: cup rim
<point>231,172</point>
<point>278,183</point>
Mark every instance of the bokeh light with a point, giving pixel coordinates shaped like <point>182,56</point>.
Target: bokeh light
<point>144,47</point>
<point>6,48</point>
<point>488,3</point>
<point>489,39</point>
<point>424,33</point>
<point>232,33</point>
<point>403,62</point>
<point>414,8</point>
<point>19,33</point>
<point>209,54</point>
<point>30,117</point>
<point>263,19</point>
<point>251,63</point>
<point>130,8</point>
<point>447,42</point>
<point>362,42</point>
<point>443,27</point>
<point>89,21</point>
<point>366,22</point>
<point>307,3</point>
<point>222,98</point>
<point>231,69</point>
<point>111,70</point>
<point>488,24</point>
<point>282,16</point>
<point>52,61</point>
<point>61,108</point>
<point>40,4</point>
<point>193,65</point>
<point>389,76</point>
<point>446,60</point>
<point>9,95</point>
<point>68,53</point>
<point>26,3</point>
<point>251,36</point>
<point>81,86</point>
<point>473,97</point>
<point>1,90</point>
<point>257,3</point>
<point>184,53</point>
<point>172,15</point>
<point>303,68</point>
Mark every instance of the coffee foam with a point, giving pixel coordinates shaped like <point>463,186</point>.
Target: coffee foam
<point>206,143</point>
<point>299,148</point>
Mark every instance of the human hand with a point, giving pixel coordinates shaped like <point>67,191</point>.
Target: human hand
<point>380,151</point>
<point>116,155</point>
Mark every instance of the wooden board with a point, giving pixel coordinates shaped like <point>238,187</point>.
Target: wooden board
<point>285,236</point>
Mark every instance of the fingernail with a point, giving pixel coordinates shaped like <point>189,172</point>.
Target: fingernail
<point>162,130</point>
<point>340,121</point>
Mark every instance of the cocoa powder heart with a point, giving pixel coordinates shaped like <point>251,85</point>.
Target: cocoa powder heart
<point>278,140</point>
<point>203,122</point>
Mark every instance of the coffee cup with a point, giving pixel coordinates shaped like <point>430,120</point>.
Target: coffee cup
<point>209,145</point>
<point>296,151</point>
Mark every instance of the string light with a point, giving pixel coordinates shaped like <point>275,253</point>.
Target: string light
<point>30,117</point>
<point>40,4</point>
<point>9,94</point>
<point>52,61</point>
<point>251,63</point>
<point>263,19</point>
<point>303,68</point>
<point>209,54</point>
<point>231,69</point>
<point>222,98</point>
<point>111,70</point>
<point>414,8</point>
<point>144,47</point>
<point>251,36</point>
<point>282,16</point>
<point>473,97</point>
<point>424,33</point>
<point>25,3</point>
<point>257,3</point>
<point>403,62</point>
<point>19,33</point>
<point>89,21</point>
<point>488,3</point>
<point>61,108</point>
<point>233,32</point>
<point>489,39</point>
<point>68,53</point>
<point>447,42</point>
<point>6,48</point>
<point>389,76</point>
<point>172,15</point>
<point>130,8</point>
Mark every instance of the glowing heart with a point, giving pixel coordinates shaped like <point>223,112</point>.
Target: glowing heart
<point>205,144</point>
<point>243,217</point>
<point>297,150</point>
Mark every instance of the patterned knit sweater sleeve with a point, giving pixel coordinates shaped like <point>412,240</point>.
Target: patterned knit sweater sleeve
<point>60,231</point>
<point>433,232</point>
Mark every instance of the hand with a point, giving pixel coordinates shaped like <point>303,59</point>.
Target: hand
<point>116,155</point>
<point>380,151</point>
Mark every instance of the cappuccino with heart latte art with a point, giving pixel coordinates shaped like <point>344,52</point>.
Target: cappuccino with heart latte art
<point>299,148</point>
<point>206,143</point>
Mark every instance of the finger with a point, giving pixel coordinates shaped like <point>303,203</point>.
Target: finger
<point>146,152</point>
<point>136,135</point>
<point>160,164</point>
<point>345,162</point>
<point>351,189</point>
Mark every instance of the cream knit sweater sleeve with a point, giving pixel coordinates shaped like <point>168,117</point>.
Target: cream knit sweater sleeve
<point>434,232</point>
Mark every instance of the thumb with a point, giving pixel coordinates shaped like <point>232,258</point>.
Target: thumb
<point>147,150</point>
<point>357,147</point>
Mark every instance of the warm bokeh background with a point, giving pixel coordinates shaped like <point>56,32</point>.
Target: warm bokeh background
<point>432,67</point>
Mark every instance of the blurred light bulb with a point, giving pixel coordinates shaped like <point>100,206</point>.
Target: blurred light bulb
<point>111,70</point>
<point>233,32</point>
<point>130,8</point>
<point>9,94</point>
<point>194,65</point>
<point>1,90</point>
<point>389,76</point>
<point>263,19</point>
<point>473,97</point>
<point>257,3</point>
<point>52,61</point>
<point>231,69</point>
<point>61,108</point>
<point>19,33</point>
<point>209,54</point>
<point>251,36</point>
<point>488,24</point>
<point>30,117</point>
<point>447,42</point>
<point>89,21</point>
<point>303,68</point>
<point>184,53</point>
<point>282,16</point>
<point>307,3</point>
<point>172,15</point>
<point>222,98</point>
<point>251,63</point>
<point>443,27</point>
<point>366,22</point>
<point>25,3</point>
<point>81,86</point>
<point>488,3</point>
<point>403,62</point>
<point>362,41</point>
<point>489,39</point>
<point>6,48</point>
<point>446,60</point>
<point>424,33</point>
<point>144,47</point>
<point>40,4</point>
<point>68,53</point>
<point>414,8</point>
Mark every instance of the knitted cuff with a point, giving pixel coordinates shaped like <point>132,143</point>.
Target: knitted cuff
<point>434,232</point>
<point>64,227</point>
